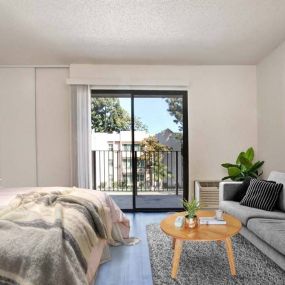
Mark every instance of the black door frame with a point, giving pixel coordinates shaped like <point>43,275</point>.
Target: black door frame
<point>132,94</point>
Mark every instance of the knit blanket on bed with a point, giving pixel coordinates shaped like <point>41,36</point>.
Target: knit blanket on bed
<point>47,237</point>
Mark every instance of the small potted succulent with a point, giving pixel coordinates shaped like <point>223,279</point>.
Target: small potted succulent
<point>191,208</point>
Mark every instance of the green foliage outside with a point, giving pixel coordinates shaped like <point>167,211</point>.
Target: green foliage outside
<point>175,109</point>
<point>107,116</point>
<point>153,154</point>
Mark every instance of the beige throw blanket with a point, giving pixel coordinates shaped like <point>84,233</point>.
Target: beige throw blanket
<point>47,237</point>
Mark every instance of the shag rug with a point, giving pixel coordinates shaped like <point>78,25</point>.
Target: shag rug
<point>206,263</point>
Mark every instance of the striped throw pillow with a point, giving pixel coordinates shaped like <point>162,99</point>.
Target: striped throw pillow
<point>262,194</point>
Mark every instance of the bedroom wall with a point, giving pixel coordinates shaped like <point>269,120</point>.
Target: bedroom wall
<point>271,110</point>
<point>222,116</point>
<point>53,127</point>
<point>35,127</point>
<point>17,127</point>
<point>222,106</point>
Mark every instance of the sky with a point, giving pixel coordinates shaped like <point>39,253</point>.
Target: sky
<point>153,113</point>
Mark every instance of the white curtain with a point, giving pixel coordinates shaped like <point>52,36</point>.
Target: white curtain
<point>81,130</point>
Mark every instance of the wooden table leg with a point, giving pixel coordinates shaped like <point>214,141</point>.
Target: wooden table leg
<point>230,253</point>
<point>173,242</point>
<point>176,257</point>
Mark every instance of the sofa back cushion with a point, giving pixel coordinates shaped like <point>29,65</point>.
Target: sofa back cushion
<point>279,177</point>
<point>241,190</point>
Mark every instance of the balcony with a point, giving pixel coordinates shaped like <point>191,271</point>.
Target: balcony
<point>154,172</point>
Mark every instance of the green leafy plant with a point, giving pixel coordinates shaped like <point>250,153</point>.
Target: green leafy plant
<point>244,167</point>
<point>191,207</point>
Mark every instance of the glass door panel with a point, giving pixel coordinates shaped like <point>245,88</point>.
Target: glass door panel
<point>112,147</point>
<point>158,151</point>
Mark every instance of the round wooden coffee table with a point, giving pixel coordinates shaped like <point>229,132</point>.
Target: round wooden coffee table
<point>216,233</point>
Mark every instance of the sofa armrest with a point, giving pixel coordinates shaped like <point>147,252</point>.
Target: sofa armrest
<point>227,190</point>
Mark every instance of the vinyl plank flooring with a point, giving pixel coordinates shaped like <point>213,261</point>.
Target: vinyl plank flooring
<point>130,265</point>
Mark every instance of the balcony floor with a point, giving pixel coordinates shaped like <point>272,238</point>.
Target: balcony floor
<point>148,201</point>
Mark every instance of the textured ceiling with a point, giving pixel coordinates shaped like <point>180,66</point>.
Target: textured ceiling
<point>139,32</point>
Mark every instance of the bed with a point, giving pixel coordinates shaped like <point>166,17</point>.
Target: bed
<point>36,224</point>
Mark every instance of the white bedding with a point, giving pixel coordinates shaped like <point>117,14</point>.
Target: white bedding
<point>7,194</point>
<point>119,221</point>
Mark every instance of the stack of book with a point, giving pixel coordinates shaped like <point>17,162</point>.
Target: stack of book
<point>211,221</point>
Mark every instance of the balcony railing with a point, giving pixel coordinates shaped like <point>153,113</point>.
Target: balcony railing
<point>154,171</point>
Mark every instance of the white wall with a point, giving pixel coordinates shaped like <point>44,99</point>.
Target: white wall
<point>222,106</point>
<point>53,127</point>
<point>222,116</point>
<point>17,127</point>
<point>271,110</point>
<point>34,127</point>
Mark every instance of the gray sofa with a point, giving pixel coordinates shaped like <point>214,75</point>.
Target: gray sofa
<point>264,229</point>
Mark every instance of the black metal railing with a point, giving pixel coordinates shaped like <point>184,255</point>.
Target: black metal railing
<point>155,171</point>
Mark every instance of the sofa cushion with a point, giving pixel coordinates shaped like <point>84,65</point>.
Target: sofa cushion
<point>272,231</point>
<point>262,194</point>
<point>279,177</point>
<point>244,213</point>
<point>241,190</point>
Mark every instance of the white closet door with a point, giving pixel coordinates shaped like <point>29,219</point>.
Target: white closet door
<point>53,127</point>
<point>17,127</point>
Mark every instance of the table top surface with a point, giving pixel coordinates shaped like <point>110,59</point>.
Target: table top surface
<point>201,232</point>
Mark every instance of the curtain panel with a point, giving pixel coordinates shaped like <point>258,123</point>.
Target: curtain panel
<point>81,136</point>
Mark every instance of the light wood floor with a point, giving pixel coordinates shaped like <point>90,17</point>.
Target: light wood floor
<point>130,265</point>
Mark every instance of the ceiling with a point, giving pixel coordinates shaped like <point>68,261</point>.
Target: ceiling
<point>139,32</point>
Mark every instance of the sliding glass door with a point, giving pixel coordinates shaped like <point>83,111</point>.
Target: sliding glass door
<point>140,147</point>
<point>159,154</point>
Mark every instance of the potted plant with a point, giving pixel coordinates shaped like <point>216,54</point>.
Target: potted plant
<point>244,167</point>
<point>191,207</point>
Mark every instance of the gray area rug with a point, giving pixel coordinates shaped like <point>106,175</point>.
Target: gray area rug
<point>206,263</point>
